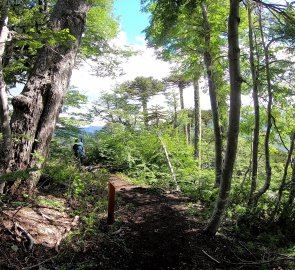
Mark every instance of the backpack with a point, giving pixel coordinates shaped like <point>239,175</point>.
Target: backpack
<point>78,149</point>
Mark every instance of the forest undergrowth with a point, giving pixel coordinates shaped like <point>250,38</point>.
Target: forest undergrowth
<point>155,228</point>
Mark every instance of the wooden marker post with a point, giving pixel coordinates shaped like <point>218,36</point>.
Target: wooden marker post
<point>111,204</point>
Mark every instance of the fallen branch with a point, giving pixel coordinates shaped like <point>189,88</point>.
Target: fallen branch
<point>210,257</point>
<point>169,164</point>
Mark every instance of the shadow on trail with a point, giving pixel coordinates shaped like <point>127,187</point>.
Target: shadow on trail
<point>153,231</point>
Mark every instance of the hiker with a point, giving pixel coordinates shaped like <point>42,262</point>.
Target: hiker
<point>79,152</point>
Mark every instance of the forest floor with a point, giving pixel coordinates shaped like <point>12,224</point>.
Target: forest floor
<point>152,230</point>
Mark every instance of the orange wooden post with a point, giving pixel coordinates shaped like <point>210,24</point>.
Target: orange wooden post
<point>111,204</point>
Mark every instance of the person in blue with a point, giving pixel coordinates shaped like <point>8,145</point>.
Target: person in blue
<point>79,151</point>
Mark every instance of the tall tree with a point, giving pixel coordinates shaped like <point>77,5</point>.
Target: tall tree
<point>179,81</point>
<point>115,107</point>
<point>36,109</point>
<point>208,59</point>
<point>171,26</point>
<point>234,117</point>
<point>143,88</point>
<point>268,169</point>
<point>254,74</point>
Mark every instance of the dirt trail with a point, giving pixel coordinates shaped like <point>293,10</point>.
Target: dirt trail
<point>152,230</point>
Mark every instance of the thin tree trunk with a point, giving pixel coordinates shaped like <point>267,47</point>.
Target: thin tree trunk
<point>283,181</point>
<point>213,96</point>
<point>36,109</point>
<point>197,117</point>
<point>188,129</point>
<point>5,132</point>
<point>181,87</point>
<point>292,186</point>
<point>145,113</point>
<point>181,99</point>
<point>234,118</point>
<point>266,185</point>
<point>175,104</point>
<point>256,109</point>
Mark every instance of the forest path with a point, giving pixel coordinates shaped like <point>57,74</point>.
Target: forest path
<point>153,230</point>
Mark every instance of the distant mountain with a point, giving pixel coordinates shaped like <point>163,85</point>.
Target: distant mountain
<point>91,129</point>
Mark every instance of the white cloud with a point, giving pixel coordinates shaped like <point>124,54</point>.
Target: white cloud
<point>89,84</point>
<point>143,64</point>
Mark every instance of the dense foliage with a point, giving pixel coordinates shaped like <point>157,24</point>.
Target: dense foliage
<point>154,146</point>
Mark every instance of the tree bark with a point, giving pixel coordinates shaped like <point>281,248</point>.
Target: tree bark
<point>283,181</point>
<point>268,171</point>
<point>292,186</point>
<point>256,108</point>
<point>213,95</point>
<point>234,118</point>
<point>5,132</point>
<point>175,111</point>
<point>145,113</point>
<point>36,109</point>
<point>181,86</point>
<point>198,123</point>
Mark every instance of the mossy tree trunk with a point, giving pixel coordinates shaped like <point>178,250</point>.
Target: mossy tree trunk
<point>36,109</point>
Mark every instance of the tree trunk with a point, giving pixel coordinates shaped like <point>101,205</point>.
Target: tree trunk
<point>36,109</point>
<point>283,182</point>
<point>266,185</point>
<point>181,87</point>
<point>181,99</point>
<point>256,109</point>
<point>292,186</point>
<point>175,110</point>
<point>234,118</point>
<point>213,96</point>
<point>145,113</point>
<point>5,132</point>
<point>198,123</point>
<point>188,129</point>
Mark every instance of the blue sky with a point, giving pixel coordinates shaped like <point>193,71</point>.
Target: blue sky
<point>133,21</point>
